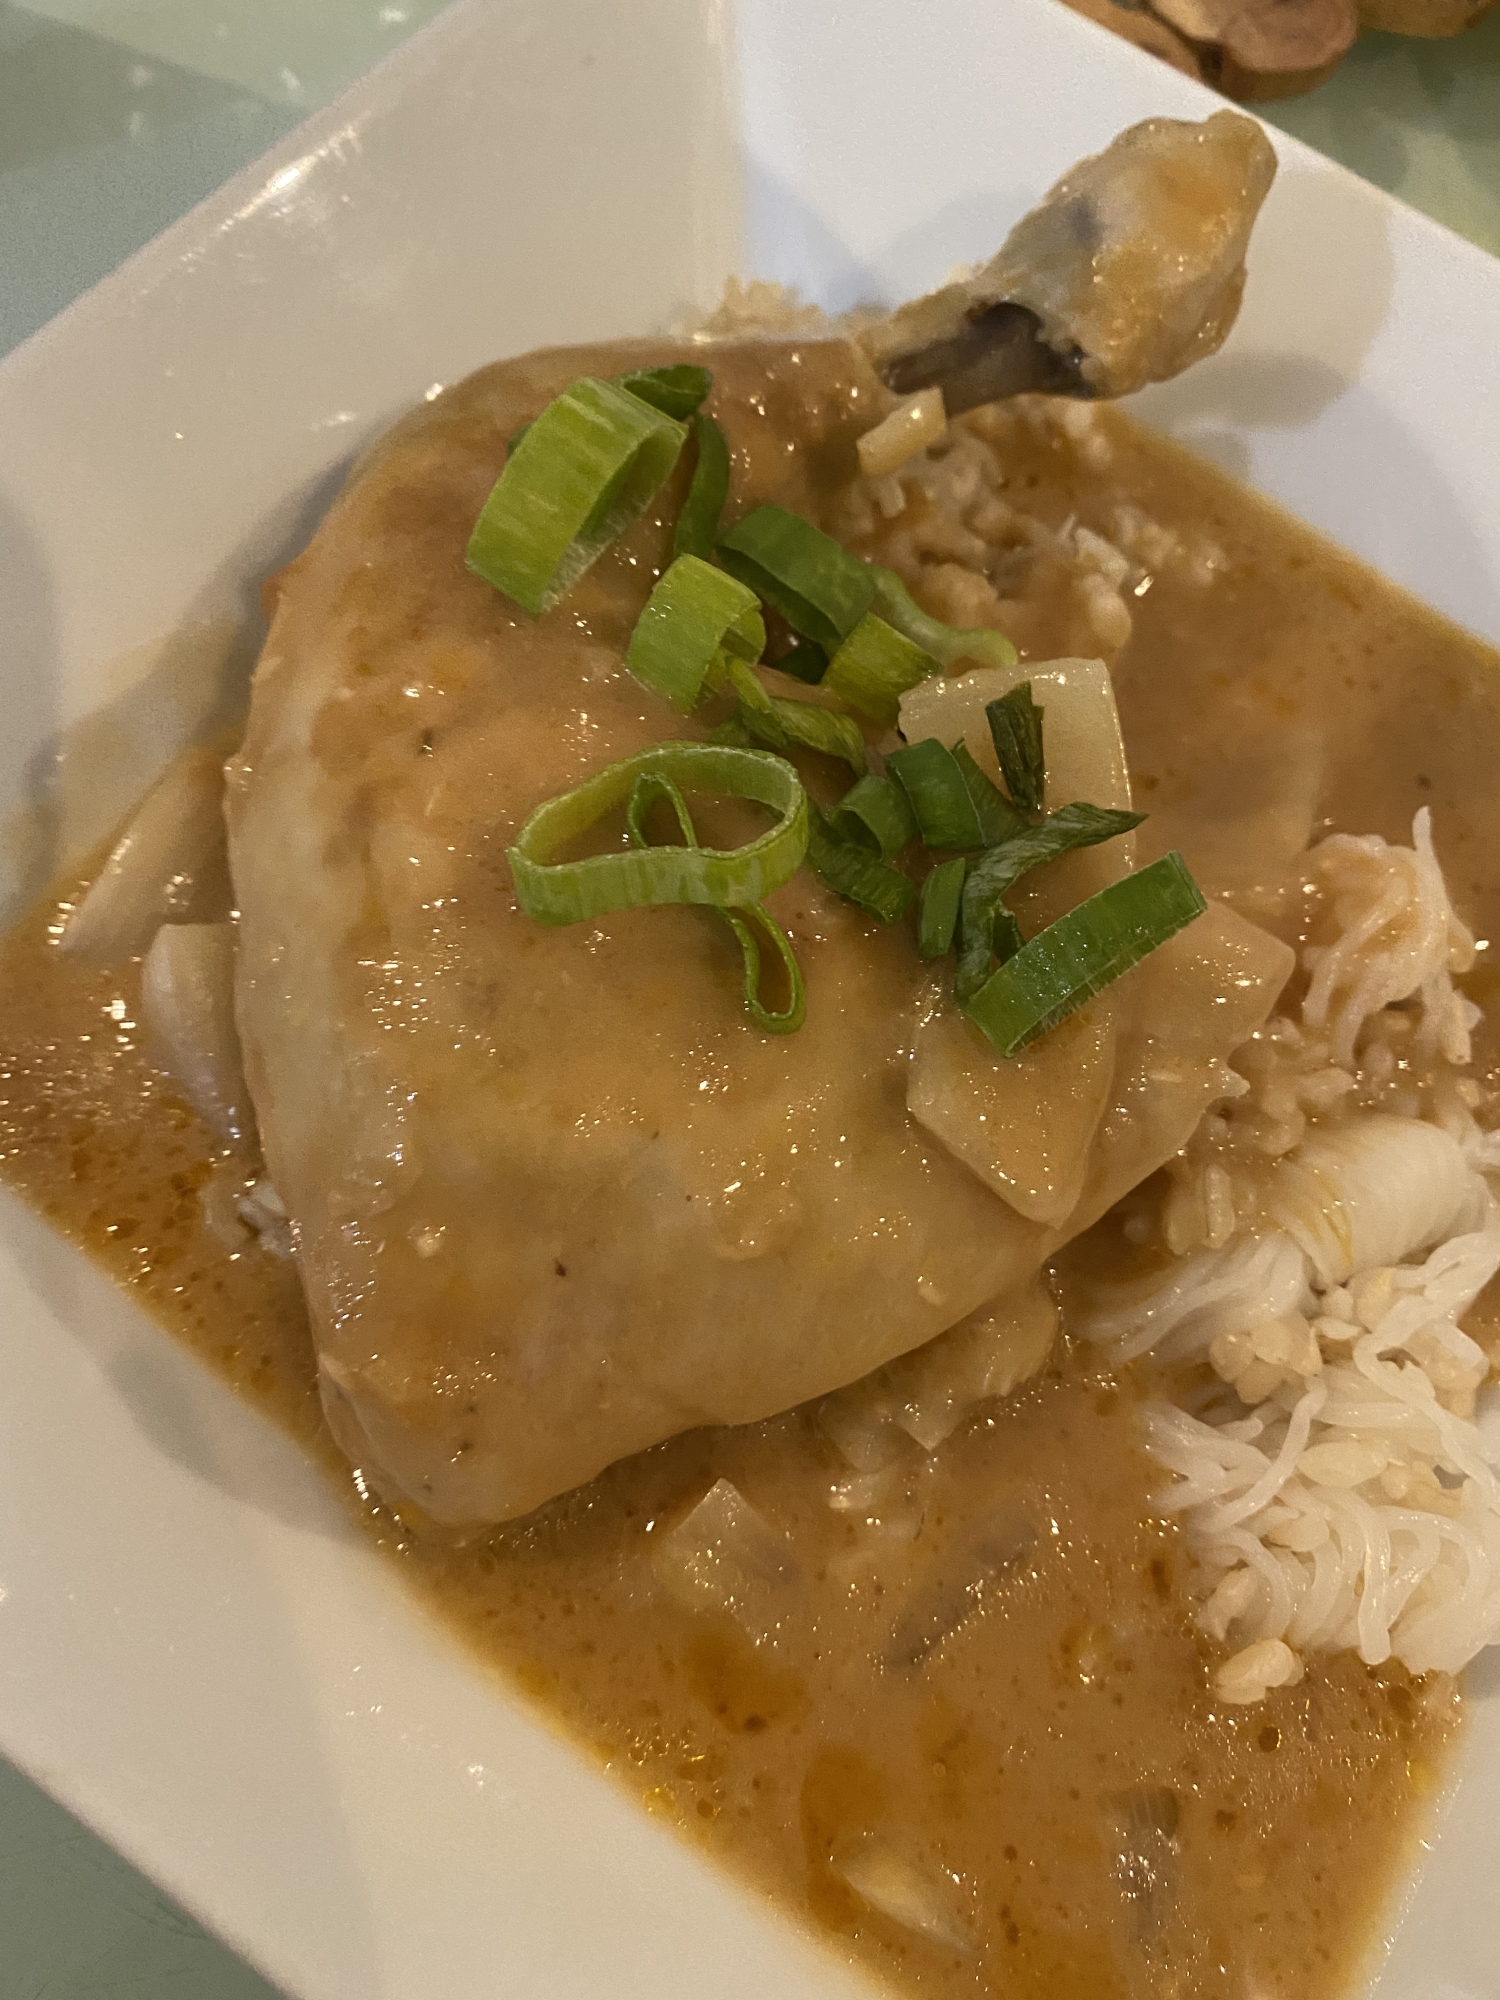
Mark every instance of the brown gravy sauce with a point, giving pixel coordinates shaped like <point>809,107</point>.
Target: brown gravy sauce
<point>1099,1825</point>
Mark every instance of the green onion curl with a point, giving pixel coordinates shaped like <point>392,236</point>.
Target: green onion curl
<point>947,643</point>
<point>571,892</point>
<point>750,925</point>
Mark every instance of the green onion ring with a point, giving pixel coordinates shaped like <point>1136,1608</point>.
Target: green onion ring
<point>697,530</point>
<point>695,621</point>
<point>650,789</point>
<point>571,892</point>
<point>744,923</point>
<point>875,666</point>
<point>578,476</point>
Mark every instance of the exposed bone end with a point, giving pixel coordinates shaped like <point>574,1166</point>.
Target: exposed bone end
<point>1131,269</point>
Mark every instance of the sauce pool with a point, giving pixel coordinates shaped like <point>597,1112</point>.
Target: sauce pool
<point>1054,1761</point>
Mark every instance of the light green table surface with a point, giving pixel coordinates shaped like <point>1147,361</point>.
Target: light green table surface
<point>117,115</point>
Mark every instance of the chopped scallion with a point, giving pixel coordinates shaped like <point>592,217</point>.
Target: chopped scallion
<point>750,925</point>
<point>675,391</point>
<point>806,661</point>
<point>696,620</point>
<point>937,914</point>
<point>697,530</point>
<point>874,813</point>
<point>570,892</point>
<point>880,891</point>
<point>1062,832</point>
<point>947,643</point>
<point>785,725</point>
<point>933,781</point>
<point>998,818</point>
<point>579,475</point>
<point>875,666</point>
<point>1006,937</point>
<point>1083,952</point>
<point>1016,731</point>
<point>812,580</point>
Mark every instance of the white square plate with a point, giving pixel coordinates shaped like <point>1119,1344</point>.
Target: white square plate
<point>197,1652</point>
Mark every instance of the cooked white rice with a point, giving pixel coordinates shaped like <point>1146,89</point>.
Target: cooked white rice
<point>1324,1235</point>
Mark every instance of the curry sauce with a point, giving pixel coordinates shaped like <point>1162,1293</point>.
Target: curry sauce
<point>1032,1733</point>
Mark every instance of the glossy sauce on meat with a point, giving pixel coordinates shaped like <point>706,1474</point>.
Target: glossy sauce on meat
<point>1031,1732</point>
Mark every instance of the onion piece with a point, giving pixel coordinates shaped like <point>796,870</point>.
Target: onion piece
<point>187,1003</point>
<point>907,1895</point>
<point>916,422</point>
<point>723,1556</point>
<point>170,858</point>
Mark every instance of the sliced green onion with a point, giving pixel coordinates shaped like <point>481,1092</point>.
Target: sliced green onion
<point>580,474</point>
<point>651,789</point>
<point>1006,936</point>
<point>1016,731</point>
<point>998,871</point>
<point>881,891</point>
<point>817,586</point>
<point>570,892</point>
<point>745,924</point>
<point>697,530</point>
<point>1075,958</point>
<point>948,643</point>
<point>933,781</point>
<point>695,622</point>
<point>806,661</point>
<point>732,731</point>
<point>676,391</point>
<point>785,725</point>
<point>750,926</point>
<point>874,813</point>
<point>937,914</point>
<point>875,666</point>
<point>998,818</point>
